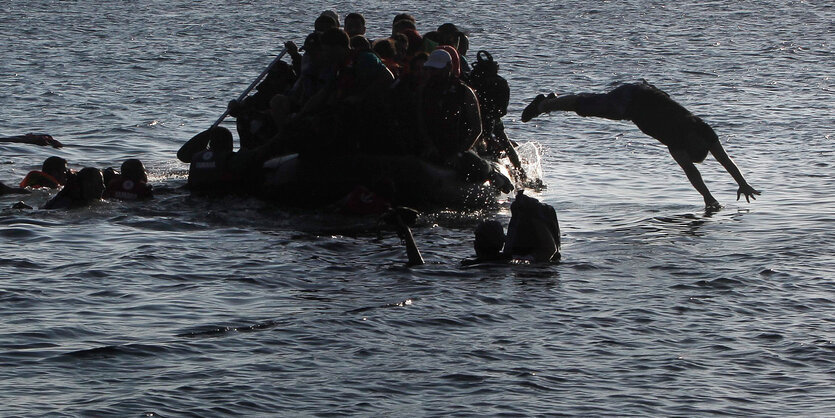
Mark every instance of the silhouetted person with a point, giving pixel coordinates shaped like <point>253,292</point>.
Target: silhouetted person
<point>488,244</point>
<point>354,24</point>
<point>81,189</point>
<point>215,169</point>
<point>130,184</point>
<point>533,233</point>
<point>533,236</point>
<point>53,174</point>
<point>209,155</point>
<point>34,139</point>
<point>687,137</point>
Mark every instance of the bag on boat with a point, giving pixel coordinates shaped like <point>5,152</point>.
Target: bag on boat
<point>492,89</point>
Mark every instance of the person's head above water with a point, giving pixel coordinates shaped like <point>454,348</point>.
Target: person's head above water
<point>489,239</point>
<point>90,183</point>
<point>221,140</point>
<point>134,170</point>
<point>57,168</point>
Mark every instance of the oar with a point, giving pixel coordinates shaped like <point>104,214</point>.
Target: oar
<point>251,86</point>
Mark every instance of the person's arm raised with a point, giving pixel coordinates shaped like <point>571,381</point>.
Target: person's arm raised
<point>34,139</point>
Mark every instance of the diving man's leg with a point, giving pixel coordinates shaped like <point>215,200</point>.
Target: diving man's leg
<point>611,105</point>
<point>683,159</point>
<point>546,104</point>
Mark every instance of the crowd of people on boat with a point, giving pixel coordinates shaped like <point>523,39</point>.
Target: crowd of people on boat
<point>407,94</point>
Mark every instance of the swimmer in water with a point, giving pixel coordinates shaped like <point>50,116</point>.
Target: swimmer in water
<point>34,139</point>
<point>688,137</point>
<point>82,188</point>
<point>533,236</point>
<point>53,174</point>
<point>130,184</point>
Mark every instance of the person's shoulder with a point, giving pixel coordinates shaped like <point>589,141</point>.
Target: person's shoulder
<point>37,179</point>
<point>60,201</point>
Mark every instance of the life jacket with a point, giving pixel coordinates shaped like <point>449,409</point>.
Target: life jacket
<point>393,66</point>
<point>362,201</point>
<point>208,173</point>
<point>491,89</point>
<point>37,179</point>
<point>126,189</point>
<point>443,108</point>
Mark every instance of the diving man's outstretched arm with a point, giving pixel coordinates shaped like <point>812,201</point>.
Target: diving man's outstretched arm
<point>34,139</point>
<point>744,188</point>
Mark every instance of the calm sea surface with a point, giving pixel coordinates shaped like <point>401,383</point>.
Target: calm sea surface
<point>184,306</point>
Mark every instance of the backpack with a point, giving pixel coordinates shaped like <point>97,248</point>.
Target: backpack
<point>524,211</point>
<point>492,89</point>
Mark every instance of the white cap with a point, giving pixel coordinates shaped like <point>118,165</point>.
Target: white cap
<point>438,59</point>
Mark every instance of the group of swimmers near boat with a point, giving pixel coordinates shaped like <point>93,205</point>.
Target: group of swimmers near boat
<point>81,188</point>
<point>408,95</point>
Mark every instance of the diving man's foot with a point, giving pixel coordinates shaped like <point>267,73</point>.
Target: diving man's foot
<point>533,110</point>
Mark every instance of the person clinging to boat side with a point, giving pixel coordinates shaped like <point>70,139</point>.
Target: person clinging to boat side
<point>449,122</point>
<point>688,138</point>
<point>533,236</point>
<point>216,169</point>
<point>209,154</point>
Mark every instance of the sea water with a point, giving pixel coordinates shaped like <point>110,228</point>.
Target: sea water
<point>188,306</point>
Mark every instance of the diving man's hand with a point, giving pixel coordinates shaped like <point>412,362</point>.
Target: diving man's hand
<point>748,192</point>
<point>43,140</point>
